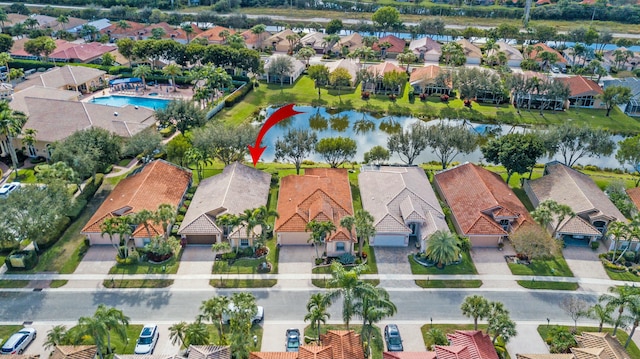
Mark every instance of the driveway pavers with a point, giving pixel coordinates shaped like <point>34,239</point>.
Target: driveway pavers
<point>295,260</point>
<point>273,334</point>
<point>393,260</point>
<point>490,261</point>
<point>195,260</point>
<point>97,260</point>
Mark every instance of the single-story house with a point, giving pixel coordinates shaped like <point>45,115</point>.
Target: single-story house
<point>483,207</point>
<point>321,194</point>
<point>514,57</point>
<point>99,24</point>
<point>585,93</point>
<point>463,344</point>
<point>74,78</point>
<point>316,41</point>
<point>212,35</point>
<point>351,42</point>
<point>170,32</point>
<point>565,185</point>
<point>575,59</point>
<point>74,352</point>
<point>335,344</point>
<point>279,42</point>
<point>377,73</point>
<point>48,22</point>
<point>348,64</point>
<point>19,53</point>
<point>471,52</point>
<point>397,46</point>
<point>255,41</point>
<point>427,80</point>
<point>290,78</point>
<point>631,108</point>
<point>89,53</point>
<point>427,49</point>
<point>535,54</point>
<point>591,345</point>
<point>158,182</point>
<point>403,205</point>
<point>208,352</point>
<point>621,59</point>
<point>237,188</point>
<point>132,30</point>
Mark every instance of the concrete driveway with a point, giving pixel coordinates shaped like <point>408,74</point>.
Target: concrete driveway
<point>490,261</point>
<point>412,340</point>
<point>394,260</point>
<point>97,260</point>
<point>296,260</point>
<point>195,260</point>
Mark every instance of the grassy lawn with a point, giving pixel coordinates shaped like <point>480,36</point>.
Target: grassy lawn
<point>170,267</point>
<point>58,283</point>
<point>137,283</point>
<point>256,330</point>
<point>377,345</point>
<point>556,267</point>
<point>626,276</point>
<point>243,283</point>
<point>548,285</point>
<point>449,283</point>
<point>26,175</point>
<point>466,267</point>
<point>7,330</point>
<point>13,283</point>
<point>622,336</point>
<point>249,265</point>
<point>120,347</point>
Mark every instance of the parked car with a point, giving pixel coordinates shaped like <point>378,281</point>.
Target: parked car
<point>8,188</point>
<point>18,342</point>
<point>293,340</point>
<point>147,339</point>
<point>392,338</point>
<point>232,308</point>
<point>555,69</point>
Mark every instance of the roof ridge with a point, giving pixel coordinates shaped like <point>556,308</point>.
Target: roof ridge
<point>230,177</point>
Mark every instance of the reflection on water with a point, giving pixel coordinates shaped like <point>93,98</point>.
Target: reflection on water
<point>361,128</point>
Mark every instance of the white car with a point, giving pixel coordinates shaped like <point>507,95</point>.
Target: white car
<point>147,339</point>
<point>8,188</point>
<point>17,343</point>
<point>256,318</point>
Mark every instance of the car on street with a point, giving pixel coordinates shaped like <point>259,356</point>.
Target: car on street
<point>232,308</point>
<point>7,188</point>
<point>392,338</point>
<point>147,340</point>
<point>293,340</point>
<point>18,342</point>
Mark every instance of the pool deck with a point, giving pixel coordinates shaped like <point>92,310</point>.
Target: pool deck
<point>161,90</point>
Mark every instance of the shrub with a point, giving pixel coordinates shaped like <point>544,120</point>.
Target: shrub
<point>167,131</point>
<point>76,208</point>
<point>187,203</point>
<point>180,218</point>
<point>595,245</point>
<point>182,210</point>
<point>51,237</point>
<point>237,95</point>
<point>365,95</point>
<point>228,256</point>
<point>192,190</point>
<point>614,267</point>
<point>347,258</point>
<point>629,256</point>
<point>188,196</point>
<point>21,260</point>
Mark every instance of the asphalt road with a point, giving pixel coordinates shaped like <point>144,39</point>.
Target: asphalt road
<point>280,305</point>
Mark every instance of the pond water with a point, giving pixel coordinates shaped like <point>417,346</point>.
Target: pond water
<point>369,131</point>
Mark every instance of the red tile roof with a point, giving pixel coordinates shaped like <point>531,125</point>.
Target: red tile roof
<point>634,194</point>
<point>116,31</point>
<point>323,194</point>
<point>315,352</point>
<point>345,344</point>
<point>213,34</point>
<point>478,343</point>
<point>82,52</point>
<point>18,46</point>
<point>409,355</point>
<point>273,355</point>
<point>579,85</point>
<point>171,32</point>
<point>545,47</point>
<point>453,352</point>
<point>397,44</point>
<point>425,73</point>
<point>251,39</point>
<point>156,183</point>
<point>384,67</point>
<point>474,194</point>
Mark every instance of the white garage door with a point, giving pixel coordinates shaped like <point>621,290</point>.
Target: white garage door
<point>484,241</point>
<point>389,241</point>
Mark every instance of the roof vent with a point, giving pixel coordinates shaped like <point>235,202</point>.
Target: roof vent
<point>115,114</point>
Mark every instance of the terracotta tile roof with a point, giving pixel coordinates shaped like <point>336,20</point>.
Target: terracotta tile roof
<point>545,47</point>
<point>612,348</point>
<point>425,73</point>
<point>473,193</point>
<point>116,31</point>
<point>213,34</point>
<point>478,343</point>
<point>209,352</point>
<point>634,194</point>
<point>452,352</point>
<point>321,193</point>
<point>345,344</point>
<point>154,184</point>
<point>409,355</point>
<point>82,52</point>
<point>580,86</point>
<point>384,67</point>
<point>170,32</point>
<point>14,18</point>
<point>74,352</point>
<point>251,39</point>
<point>315,352</point>
<point>397,44</point>
<point>147,356</point>
<point>17,50</point>
<point>545,356</point>
<point>273,355</point>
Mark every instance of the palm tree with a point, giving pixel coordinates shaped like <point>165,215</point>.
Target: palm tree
<point>143,217</point>
<point>634,316</point>
<point>123,24</point>
<point>164,215</point>
<point>96,329</point>
<point>228,222</point>
<point>408,58</point>
<point>11,123</point>
<point>55,336</point>
<point>319,232</point>
<point>317,311</point>
<point>213,309</point>
<point>348,287</point>
<point>259,30</point>
<point>250,220</point>
<point>442,248</point>
<point>172,70</point>
<point>196,333</point>
<point>177,333</point>
<point>373,307</point>
<point>622,297</point>
<point>200,158</point>
<point>602,313</point>
<point>5,57</point>
<point>188,30</point>
<point>263,216</point>
<point>29,137</point>
<point>617,230</point>
<point>115,320</point>
<point>364,227</point>
<point>476,307</point>
<point>31,23</point>
<point>142,71</point>
<point>348,222</point>
<point>436,336</point>
<point>62,20</point>
<point>110,227</point>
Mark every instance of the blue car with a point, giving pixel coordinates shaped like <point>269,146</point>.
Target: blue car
<point>392,338</point>
<point>293,340</point>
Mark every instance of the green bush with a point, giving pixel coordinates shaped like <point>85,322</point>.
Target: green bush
<point>188,196</point>
<point>595,245</point>
<point>629,256</point>
<point>167,131</point>
<point>108,169</point>
<point>92,186</point>
<point>51,237</point>
<point>347,258</point>
<point>614,267</point>
<point>187,203</point>
<point>30,259</point>
<point>192,189</point>
<point>76,208</point>
<point>237,95</point>
<point>180,218</point>
<point>228,255</point>
<point>182,210</point>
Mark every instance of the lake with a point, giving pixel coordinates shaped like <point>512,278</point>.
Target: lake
<point>369,131</point>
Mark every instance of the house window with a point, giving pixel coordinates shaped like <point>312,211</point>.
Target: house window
<point>340,246</point>
<point>146,241</point>
<point>505,224</point>
<point>244,242</point>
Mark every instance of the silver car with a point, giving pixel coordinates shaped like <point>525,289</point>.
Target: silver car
<point>17,343</point>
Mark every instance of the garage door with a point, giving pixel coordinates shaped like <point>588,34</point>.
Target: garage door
<point>484,241</point>
<point>293,238</point>
<point>389,241</point>
<point>209,239</point>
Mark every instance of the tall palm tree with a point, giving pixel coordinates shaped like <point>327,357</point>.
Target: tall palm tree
<point>29,137</point>
<point>477,307</point>
<point>164,215</point>
<point>177,333</point>
<point>349,287</point>
<point>317,311</point>
<point>258,30</point>
<point>55,336</point>
<point>142,71</point>
<point>263,216</point>
<point>11,123</point>
<point>373,307</point>
<point>364,227</point>
<point>5,57</point>
<point>196,333</point>
<point>96,329</point>
<point>618,231</point>
<point>250,220</point>
<point>348,222</point>
<point>144,217</point>
<point>442,248</point>
<point>115,320</point>
<point>31,23</point>
<point>228,222</point>
<point>200,158</point>
<point>62,20</point>
<point>213,309</point>
<point>188,31</point>
<point>621,297</point>
<point>172,70</point>
<point>634,316</point>
<point>319,232</point>
<point>110,227</point>
<point>602,313</point>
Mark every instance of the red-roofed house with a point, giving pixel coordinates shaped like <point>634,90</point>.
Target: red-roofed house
<point>84,53</point>
<point>409,355</point>
<point>336,344</point>
<point>483,206</point>
<point>634,194</point>
<point>464,344</point>
<point>585,93</point>
<point>430,79</point>
<point>255,41</point>
<point>170,32</point>
<point>18,52</point>
<point>542,47</point>
<point>131,30</point>
<point>397,46</point>
<point>212,35</point>
<point>156,183</point>
<point>377,72</point>
<point>321,194</point>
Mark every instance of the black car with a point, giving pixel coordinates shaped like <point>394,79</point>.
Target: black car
<point>392,338</point>
<point>293,340</point>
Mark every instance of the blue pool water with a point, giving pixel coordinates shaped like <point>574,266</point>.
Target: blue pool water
<point>121,101</point>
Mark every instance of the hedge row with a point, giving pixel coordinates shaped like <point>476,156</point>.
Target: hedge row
<point>30,259</point>
<point>238,95</point>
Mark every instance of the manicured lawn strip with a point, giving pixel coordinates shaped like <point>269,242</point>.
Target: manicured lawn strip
<point>58,283</point>
<point>625,276</point>
<point>7,330</point>
<point>324,282</point>
<point>137,283</point>
<point>449,283</point>
<point>120,346</point>
<point>243,283</point>
<point>170,267</point>
<point>372,266</point>
<point>9,283</point>
<point>249,265</point>
<point>556,267</point>
<point>377,345</point>
<point>466,267</point>
<point>548,285</point>
<point>622,336</point>
<point>255,330</point>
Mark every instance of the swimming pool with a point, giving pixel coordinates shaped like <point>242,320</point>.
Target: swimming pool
<point>121,101</point>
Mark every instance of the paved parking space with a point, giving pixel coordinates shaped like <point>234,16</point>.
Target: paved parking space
<point>584,262</point>
<point>195,260</point>
<point>412,340</point>
<point>490,261</point>
<point>273,335</point>
<point>393,260</point>
<point>527,341</point>
<point>97,260</point>
<point>296,260</point>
